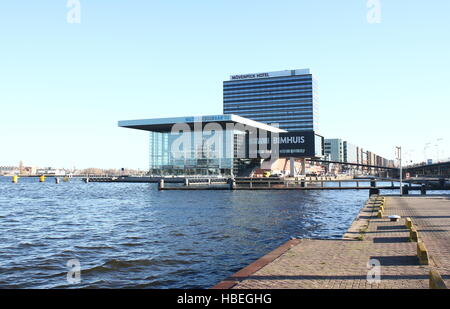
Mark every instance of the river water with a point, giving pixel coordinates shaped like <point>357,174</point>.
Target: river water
<point>133,236</point>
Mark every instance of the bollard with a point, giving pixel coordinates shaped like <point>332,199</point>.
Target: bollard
<point>56,180</point>
<point>66,179</point>
<point>42,178</point>
<point>413,235</point>
<point>380,214</point>
<point>373,183</point>
<point>232,183</point>
<point>436,281</point>
<point>302,184</point>
<point>422,253</point>
<point>86,180</point>
<point>161,184</point>
<point>408,223</point>
<point>15,179</point>
<point>186,182</point>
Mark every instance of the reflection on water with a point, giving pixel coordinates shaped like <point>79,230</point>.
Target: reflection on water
<point>134,236</point>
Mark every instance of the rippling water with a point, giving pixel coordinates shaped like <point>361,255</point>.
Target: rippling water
<point>134,236</point>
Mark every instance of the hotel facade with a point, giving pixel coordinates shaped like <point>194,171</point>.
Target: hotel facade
<point>287,98</point>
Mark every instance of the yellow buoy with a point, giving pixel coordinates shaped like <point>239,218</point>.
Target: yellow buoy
<point>15,179</point>
<point>66,179</point>
<point>41,178</point>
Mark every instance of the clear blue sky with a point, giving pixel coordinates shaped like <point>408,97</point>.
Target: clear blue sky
<point>63,87</point>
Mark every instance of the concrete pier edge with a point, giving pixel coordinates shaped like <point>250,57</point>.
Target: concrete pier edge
<point>234,279</point>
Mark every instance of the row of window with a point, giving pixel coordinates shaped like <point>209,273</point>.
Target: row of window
<point>268,111</point>
<point>276,112</point>
<point>281,121</point>
<point>266,107</point>
<point>267,93</point>
<point>298,124</point>
<point>297,94</point>
<point>304,101</point>
<point>274,100</point>
<point>281,79</point>
<point>295,128</point>
<point>267,85</point>
<point>268,90</point>
<point>282,116</point>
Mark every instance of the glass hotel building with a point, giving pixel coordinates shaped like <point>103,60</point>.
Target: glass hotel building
<point>287,98</point>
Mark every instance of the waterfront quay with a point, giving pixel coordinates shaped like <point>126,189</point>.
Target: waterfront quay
<point>373,185</point>
<point>341,182</point>
<point>375,253</point>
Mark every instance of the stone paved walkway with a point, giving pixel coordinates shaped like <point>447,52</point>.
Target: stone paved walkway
<point>431,217</point>
<point>343,264</point>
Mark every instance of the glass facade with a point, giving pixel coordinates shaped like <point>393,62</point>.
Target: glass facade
<point>192,153</point>
<point>286,98</point>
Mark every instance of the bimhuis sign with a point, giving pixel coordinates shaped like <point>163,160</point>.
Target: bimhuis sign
<point>290,144</point>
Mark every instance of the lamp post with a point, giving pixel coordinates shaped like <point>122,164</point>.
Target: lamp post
<point>399,158</point>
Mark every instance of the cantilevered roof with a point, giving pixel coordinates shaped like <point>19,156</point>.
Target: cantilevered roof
<point>165,124</point>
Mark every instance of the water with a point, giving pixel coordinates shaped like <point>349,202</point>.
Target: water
<point>134,236</point>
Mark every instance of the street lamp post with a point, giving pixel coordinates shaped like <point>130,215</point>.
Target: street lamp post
<point>399,157</point>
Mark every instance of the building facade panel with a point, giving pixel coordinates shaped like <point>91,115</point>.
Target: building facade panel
<point>287,98</point>
<point>350,153</point>
<point>334,149</point>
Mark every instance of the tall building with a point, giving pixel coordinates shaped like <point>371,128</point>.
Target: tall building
<point>287,98</point>
<point>334,148</point>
